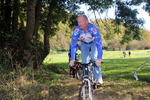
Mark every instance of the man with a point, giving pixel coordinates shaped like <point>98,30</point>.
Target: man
<point>90,42</point>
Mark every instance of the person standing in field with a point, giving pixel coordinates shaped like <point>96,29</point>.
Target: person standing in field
<point>124,54</point>
<point>90,40</point>
<point>129,53</point>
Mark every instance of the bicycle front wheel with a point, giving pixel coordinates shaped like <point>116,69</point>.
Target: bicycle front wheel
<point>86,92</point>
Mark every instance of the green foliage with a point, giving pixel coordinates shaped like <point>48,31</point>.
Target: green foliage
<point>147,7</point>
<point>127,16</point>
<point>101,5</point>
<point>16,41</point>
<point>114,37</point>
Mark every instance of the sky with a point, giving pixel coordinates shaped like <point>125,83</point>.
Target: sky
<point>110,14</point>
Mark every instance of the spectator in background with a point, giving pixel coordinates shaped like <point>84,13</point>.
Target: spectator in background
<point>129,53</point>
<point>124,54</point>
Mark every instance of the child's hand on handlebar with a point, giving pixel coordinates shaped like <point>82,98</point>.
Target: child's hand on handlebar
<point>72,62</point>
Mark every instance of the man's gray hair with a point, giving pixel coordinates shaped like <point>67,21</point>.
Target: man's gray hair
<point>85,17</point>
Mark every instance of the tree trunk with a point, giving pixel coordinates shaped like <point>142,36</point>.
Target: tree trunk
<point>16,10</point>
<point>8,15</point>
<point>47,33</point>
<point>30,20</point>
<point>38,9</point>
<point>27,56</point>
<point>2,25</point>
<point>2,8</point>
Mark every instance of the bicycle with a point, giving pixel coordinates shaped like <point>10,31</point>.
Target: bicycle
<point>88,83</point>
<point>76,70</point>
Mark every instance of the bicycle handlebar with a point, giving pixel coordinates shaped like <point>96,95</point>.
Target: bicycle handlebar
<point>91,62</point>
<point>75,63</point>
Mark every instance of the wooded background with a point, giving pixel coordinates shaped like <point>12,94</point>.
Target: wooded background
<point>30,28</point>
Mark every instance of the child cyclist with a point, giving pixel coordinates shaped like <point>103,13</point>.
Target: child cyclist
<point>78,47</point>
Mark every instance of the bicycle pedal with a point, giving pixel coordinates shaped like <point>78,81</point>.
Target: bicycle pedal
<point>98,84</point>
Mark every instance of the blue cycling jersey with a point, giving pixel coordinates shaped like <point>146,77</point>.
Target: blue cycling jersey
<point>92,34</point>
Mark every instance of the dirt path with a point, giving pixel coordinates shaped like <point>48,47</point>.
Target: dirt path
<point>68,89</point>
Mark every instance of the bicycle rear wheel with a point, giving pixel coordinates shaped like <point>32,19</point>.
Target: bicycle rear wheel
<point>86,92</point>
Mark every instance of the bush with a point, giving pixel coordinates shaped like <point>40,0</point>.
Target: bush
<point>147,47</point>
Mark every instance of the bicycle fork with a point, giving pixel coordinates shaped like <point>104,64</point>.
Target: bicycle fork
<point>89,89</point>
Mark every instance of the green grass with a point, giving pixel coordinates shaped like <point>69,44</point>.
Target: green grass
<point>61,59</point>
<point>114,63</point>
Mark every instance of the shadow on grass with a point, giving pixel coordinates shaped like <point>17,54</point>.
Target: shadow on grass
<point>58,68</point>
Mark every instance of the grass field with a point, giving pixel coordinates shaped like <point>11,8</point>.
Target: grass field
<point>114,63</point>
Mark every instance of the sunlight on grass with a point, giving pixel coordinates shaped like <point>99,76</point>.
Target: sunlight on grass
<point>119,54</point>
<point>57,58</point>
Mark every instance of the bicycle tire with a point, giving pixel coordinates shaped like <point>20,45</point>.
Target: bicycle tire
<point>72,73</point>
<point>84,93</point>
<point>79,74</point>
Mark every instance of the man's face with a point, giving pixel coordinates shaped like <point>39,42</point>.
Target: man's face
<point>82,22</point>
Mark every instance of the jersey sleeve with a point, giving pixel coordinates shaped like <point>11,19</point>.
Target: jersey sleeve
<point>75,36</point>
<point>78,47</point>
<point>97,36</point>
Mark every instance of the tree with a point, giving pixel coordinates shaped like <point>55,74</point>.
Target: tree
<point>147,6</point>
<point>23,21</point>
<point>20,32</point>
<point>114,44</point>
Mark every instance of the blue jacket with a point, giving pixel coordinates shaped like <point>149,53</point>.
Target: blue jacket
<point>92,34</point>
